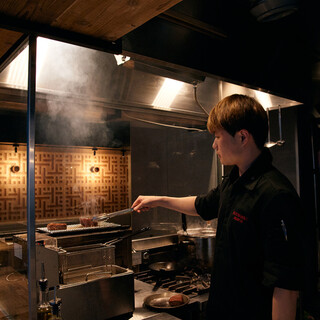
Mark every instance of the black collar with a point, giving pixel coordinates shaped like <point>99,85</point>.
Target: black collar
<point>251,177</point>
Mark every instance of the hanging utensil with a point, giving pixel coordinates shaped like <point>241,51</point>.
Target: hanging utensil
<point>269,143</point>
<point>184,222</point>
<point>280,142</point>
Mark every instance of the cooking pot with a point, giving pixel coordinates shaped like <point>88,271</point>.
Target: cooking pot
<point>199,244</point>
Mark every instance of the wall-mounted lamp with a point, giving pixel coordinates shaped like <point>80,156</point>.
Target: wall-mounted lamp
<point>15,169</point>
<point>15,145</point>
<point>94,169</point>
<point>120,59</point>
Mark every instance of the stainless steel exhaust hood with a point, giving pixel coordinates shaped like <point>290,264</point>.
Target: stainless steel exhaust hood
<point>72,79</point>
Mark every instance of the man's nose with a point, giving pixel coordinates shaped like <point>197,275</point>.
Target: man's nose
<point>214,145</point>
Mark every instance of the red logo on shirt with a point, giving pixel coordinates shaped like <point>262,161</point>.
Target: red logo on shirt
<point>239,217</point>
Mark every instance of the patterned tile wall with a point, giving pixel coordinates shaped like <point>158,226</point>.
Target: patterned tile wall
<point>64,185</point>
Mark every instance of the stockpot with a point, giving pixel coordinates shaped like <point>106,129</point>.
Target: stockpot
<point>199,244</point>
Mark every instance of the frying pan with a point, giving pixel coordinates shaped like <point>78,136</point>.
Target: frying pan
<point>163,270</point>
<point>160,302</point>
<point>169,266</point>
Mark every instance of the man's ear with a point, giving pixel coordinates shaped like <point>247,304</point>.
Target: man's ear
<point>244,135</point>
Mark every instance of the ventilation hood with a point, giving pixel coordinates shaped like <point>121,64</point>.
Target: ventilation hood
<point>80,82</point>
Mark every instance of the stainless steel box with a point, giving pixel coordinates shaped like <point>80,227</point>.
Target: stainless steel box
<point>103,298</point>
<point>89,283</point>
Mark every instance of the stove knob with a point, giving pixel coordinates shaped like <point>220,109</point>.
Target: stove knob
<point>146,255</point>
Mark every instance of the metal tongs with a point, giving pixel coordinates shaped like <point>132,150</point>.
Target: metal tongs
<point>107,216</point>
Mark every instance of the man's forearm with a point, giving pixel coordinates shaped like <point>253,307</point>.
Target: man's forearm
<point>284,304</point>
<point>183,204</point>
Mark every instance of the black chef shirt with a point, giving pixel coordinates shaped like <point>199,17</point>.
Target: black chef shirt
<point>258,241</point>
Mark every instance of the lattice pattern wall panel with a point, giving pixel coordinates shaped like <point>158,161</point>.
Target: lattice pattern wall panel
<point>64,184</point>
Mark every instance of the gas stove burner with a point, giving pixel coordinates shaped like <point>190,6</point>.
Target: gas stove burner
<point>189,282</point>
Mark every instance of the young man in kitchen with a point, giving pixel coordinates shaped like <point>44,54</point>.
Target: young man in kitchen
<point>258,256</point>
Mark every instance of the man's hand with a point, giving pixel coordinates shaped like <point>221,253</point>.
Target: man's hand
<point>145,203</point>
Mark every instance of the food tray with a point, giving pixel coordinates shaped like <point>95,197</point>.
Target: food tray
<point>78,228</point>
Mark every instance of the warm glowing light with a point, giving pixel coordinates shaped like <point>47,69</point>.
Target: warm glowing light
<point>264,99</point>
<point>42,49</point>
<point>15,169</point>
<point>121,59</point>
<point>167,93</point>
<point>18,68</point>
<point>94,169</point>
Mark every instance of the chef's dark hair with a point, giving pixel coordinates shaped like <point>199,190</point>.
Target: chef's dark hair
<point>237,112</point>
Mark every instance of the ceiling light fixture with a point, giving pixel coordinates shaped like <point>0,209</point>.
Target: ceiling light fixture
<point>121,59</point>
<point>18,69</point>
<point>271,10</point>
<point>264,99</point>
<point>167,93</point>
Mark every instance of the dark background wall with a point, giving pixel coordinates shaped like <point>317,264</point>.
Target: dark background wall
<point>173,162</point>
<point>286,157</point>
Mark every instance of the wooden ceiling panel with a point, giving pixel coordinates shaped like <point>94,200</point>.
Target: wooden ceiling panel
<point>7,39</point>
<point>104,19</point>
<point>100,19</point>
<point>110,19</point>
<point>42,11</point>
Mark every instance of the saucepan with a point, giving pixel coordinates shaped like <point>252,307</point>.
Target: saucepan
<point>199,244</point>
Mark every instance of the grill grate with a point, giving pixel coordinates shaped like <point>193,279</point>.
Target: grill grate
<point>188,282</point>
<point>73,228</point>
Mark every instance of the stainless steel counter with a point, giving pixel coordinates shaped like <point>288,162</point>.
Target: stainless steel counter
<point>142,290</point>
